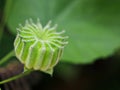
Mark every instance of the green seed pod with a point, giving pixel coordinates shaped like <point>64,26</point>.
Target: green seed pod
<point>37,47</point>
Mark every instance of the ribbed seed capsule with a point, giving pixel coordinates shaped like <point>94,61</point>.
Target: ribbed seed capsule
<point>39,48</point>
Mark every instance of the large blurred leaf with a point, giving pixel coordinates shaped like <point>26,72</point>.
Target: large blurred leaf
<point>92,25</point>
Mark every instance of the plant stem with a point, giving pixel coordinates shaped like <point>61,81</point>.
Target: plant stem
<point>7,57</point>
<point>16,77</point>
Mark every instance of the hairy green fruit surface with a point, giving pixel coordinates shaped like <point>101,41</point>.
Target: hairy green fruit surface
<point>39,48</point>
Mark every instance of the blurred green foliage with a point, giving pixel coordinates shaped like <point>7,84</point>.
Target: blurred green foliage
<point>92,25</point>
<point>94,32</point>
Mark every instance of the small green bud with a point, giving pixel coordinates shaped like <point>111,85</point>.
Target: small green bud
<point>37,47</point>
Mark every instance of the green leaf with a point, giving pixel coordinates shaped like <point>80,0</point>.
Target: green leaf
<point>92,25</point>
